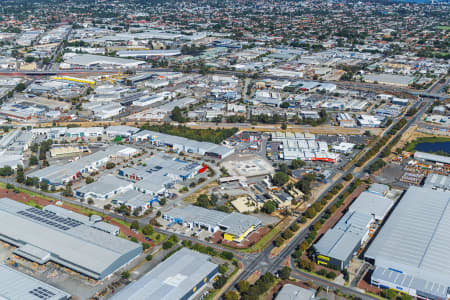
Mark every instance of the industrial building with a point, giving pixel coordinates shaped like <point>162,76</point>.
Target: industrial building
<point>93,221</point>
<point>121,130</point>
<point>338,245</point>
<point>160,172</point>
<point>134,199</point>
<point>72,60</point>
<point>303,146</point>
<point>105,188</point>
<point>235,226</point>
<point>179,144</point>
<point>410,251</point>
<point>181,276</point>
<point>58,175</point>
<point>437,182</point>
<point>293,292</point>
<point>43,236</point>
<point>18,286</point>
<point>423,156</point>
<point>372,204</point>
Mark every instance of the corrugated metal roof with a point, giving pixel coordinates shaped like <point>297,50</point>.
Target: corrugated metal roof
<point>171,279</point>
<point>293,292</point>
<point>18,286</point>
<point>70,243</point>
<point>372,204</point>
<point>415,239</point>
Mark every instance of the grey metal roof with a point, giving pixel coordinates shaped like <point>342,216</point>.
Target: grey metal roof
<point>338,244</point>
<point>437,181</point>
<point>69,242</point>
<point>432,157</point>
<point>104,185</point>
<point>379,188</point>
<point>293,292</point>
<point>171,279</point>
<point>348,233</point>
<point>415,239</point>
<point>408,281</point>
<point>18,286</point>
<point>234,223</point>
<point>372,204</point>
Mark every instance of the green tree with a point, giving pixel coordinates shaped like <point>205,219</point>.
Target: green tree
<point>33,160</point>
<point>269,207</point>
<point>280,178</point>
<point>149,257</point>
<point>110,165</point>
<point>243,286</point>
<point>231,295</point>
<point>44,185</point>
<point>134,225</point>
<point>148,229</point>
<point>285,273</point>
<point>20,175</point>
<point>89,180</point>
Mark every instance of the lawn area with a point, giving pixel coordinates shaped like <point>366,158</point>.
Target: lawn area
<point>431,139</point>
<point>443,27</point>
<point>262,243</point>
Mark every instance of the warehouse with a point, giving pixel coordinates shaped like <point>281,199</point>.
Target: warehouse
<point>16,285</point>
<point>181,276</point>
<point>72,60</point>
<point>105,188</point>
<point>135,200</point>
<point>43,236</point>
<point>93,221</point>
<point>437,182</point>
<point>58,175</point>
<point>121,130</point>
<point>178,144</point>
<point>410,251</point>
<point>390,79</point>
<point>338,245</point>
<point>235,226</point>
<point>372,204</point>
<point>148,53</point>
<point>423,156</point>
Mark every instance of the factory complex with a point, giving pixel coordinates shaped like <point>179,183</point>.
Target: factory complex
<point>83,245</point>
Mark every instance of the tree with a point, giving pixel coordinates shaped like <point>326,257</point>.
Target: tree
<point>90,201</point>
<point>284,105</point>
<point>177,115</point>
<point>231,295</point>
<point>33,160</point>
<point>285,273</point>
<point>167,245</point>
<point>134,225</point>
<point>44,185</point>
<point>243,286</point>
<point>149,257</point>
<point>110,165</point>
<point>269,207</point>
<point>280,178</point>
<point>297,163</point>
<point>20,177</point>
<point>148,229</point>
<point>348,177</point>
<point>89,180</point>
<point>145,246</point>
<point>125,275</point>
<point>284,126</point>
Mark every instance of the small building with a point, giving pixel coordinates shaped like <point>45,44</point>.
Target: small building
<point>423,156</point>
<point>105,188</point>
<point>379,189</point>
<point>19,286</point>
<point>235,226</point>
<point>293,292</point>
<point>181,276</point>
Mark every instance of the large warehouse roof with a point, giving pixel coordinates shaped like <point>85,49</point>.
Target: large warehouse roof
<point>415,239</point>
<point>44,236</point>
<point>293,292</point>
<point>171,279</point>
<point>432,157</point>
<point>18,286</point>
<point>372,204</point>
